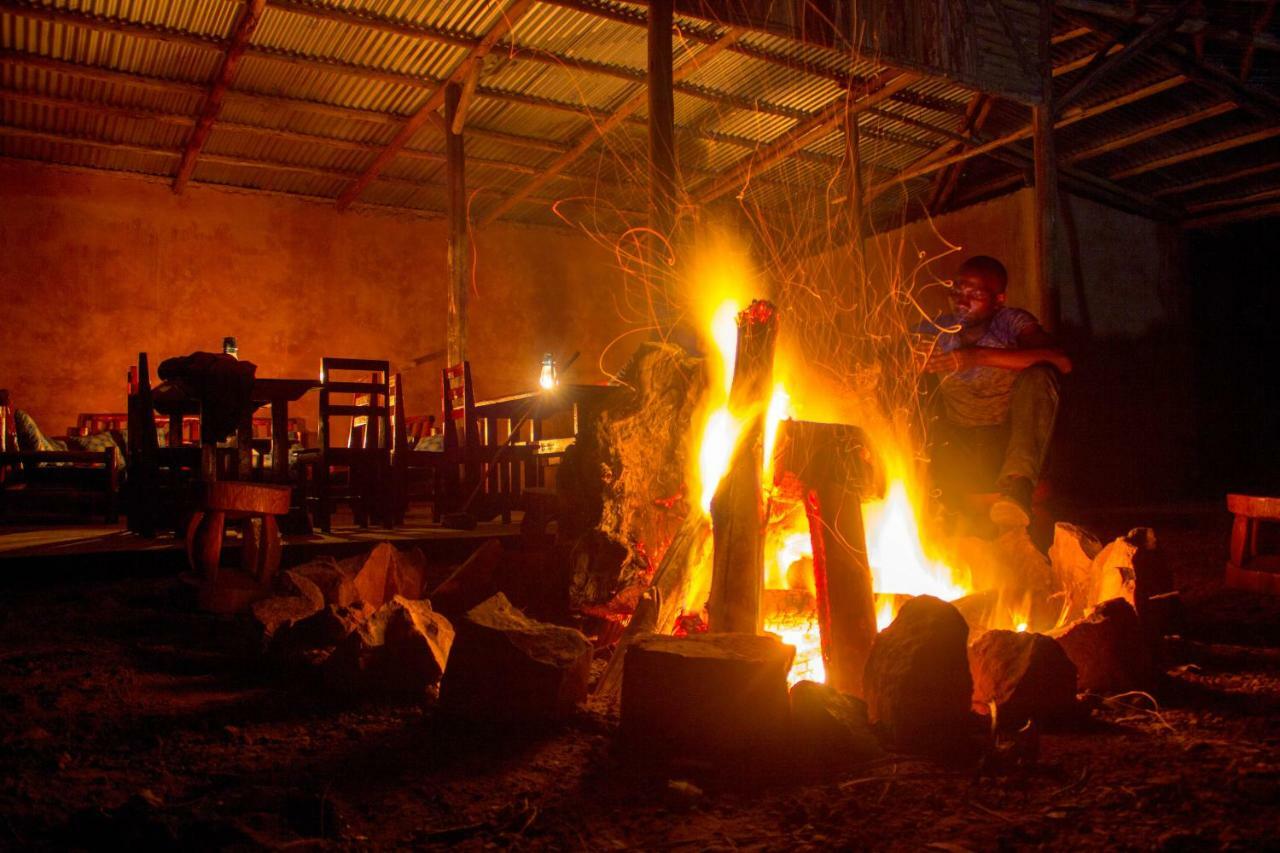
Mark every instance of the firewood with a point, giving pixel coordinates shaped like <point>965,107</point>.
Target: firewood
<point>674,584</point>
<point>737,508</point>
<point>828,465</point>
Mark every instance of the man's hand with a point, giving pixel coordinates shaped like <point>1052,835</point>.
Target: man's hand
<point>952,362</point>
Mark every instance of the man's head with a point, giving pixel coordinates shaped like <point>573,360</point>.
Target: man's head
<point>979,289</point>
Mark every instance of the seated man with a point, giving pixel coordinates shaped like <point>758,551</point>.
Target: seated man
<point>998,382</point>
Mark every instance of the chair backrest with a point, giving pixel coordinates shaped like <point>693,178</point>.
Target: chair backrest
<point>399,429</point>
<point>8,430</point>
<point>367,403</point>
<point>459,405</point>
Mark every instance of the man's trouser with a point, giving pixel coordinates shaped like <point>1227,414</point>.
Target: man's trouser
<point>967,460</point>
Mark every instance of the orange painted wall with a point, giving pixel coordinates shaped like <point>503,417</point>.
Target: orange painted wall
<point>95,267</point>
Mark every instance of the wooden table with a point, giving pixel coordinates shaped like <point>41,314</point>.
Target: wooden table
<point>543,403</point>
<point>278,394</point>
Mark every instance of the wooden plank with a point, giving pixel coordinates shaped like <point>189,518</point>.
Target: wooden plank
<point>1149,132</point>
<point>458,260</point>
<point>1235,201</point>
<point>468,94</point>
<point>857,187</point>
<point>1197,152</point>
<point>598,130</point>
<point>239,42</point>
<point>1194,25</point>
<point>1260,25</point>
<point>945,184</point>
<point>506,20</point>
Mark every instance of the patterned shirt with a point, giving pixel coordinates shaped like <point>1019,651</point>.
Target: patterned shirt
<point>980,396</point>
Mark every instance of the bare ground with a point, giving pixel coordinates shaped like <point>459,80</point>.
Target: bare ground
<point>126,719</point>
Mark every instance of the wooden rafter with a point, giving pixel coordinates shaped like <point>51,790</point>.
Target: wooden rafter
<point>619,115</point>
<point>1233,216</point>
<point>1193,24</point>
<point>940,158</point>
<point>1133,45</point>
<point>506,20</point>
<point>1223,178</point>
<point>1197,152</point>
<point>1235,201</point>
<point>824,122</point>
<point>241,32</point>
<point>947,179</point>
<point>255,163</point>
<point>1125,140</point>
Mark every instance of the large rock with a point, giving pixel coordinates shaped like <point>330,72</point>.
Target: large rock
<point>1107,648</point>
<point>1071,555</point>
<point>916,683</point>
<point>372,579</point>
<point>402,648</point>
<point>829,726</point>
<point>504,665</point>
<point>273,616</point>
<point>706,694</point>
<point>1027,676</point>
<point>327,627</point>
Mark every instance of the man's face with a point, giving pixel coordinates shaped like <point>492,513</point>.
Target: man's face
<point>975,299</point>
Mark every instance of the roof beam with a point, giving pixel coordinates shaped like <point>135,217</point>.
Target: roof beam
<point>1157,30</point>
<point>940,159</point>
<point>507,19</point>
<point>1124,140</point>
<point>598,130</point>
<point>1233,216</point>
<point>1224,178</point>
<point>1197,152</point>
<point>241,32</point>
<point>248,162</point>
<point>1235,201</point>
<point>822,123</point>
<point>947,179</point>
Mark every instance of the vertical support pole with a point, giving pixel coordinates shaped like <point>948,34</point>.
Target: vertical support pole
<point>1046,181</point>
<point>459,257</point>
<point>662,153</point>
<point>662,118</point>
<point>857,189</point>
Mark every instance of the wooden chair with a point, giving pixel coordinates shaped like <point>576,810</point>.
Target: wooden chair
<point>1254,562</point>
<point>493,468</point>
<point>419,474</point>
<point>160,480</point>
<point>358,474</point>
<point>54,478</point>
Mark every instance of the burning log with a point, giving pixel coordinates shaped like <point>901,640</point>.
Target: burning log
<point>661,603</point>
<point>829,465</point>
<point>737,510</point>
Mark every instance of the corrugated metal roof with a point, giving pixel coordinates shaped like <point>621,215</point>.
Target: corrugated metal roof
<point>325,84</point>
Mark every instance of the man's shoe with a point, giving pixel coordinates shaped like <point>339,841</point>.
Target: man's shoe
<point>1013,507</point>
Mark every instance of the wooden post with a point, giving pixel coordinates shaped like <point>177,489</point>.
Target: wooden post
<point>1046,183</point>
<point>829,466</point>
<point>459,256</point>
<point>662,151</point>
<point>737,525</point>
<point>853,151</point>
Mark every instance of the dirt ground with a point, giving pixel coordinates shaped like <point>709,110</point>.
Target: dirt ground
<point>127,719</point>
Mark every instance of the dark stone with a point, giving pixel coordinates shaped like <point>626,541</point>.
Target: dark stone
<point>504,665</point>
<point>273,616</point>
<point>917,684</point>
<point>830,726</point>
<point>1027,676</point>
<point>706,694</point>
<point>326,627</point>
<point>471,583</point>
<point>1108,649</point>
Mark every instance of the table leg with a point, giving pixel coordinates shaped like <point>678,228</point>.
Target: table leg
<point>280,440</point>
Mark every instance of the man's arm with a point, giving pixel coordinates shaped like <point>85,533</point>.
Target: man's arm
<point>1035,346</point>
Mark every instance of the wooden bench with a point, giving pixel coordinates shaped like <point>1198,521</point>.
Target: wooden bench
<point>1254,562</point>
